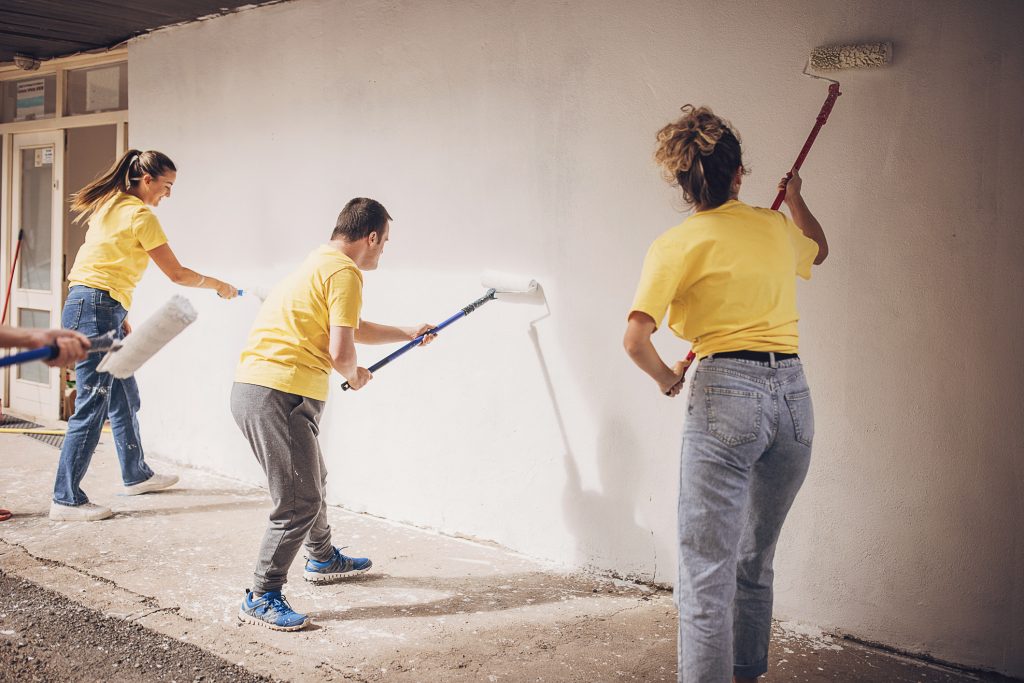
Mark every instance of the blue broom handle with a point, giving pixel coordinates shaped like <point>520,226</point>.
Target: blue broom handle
<point>42,353</point>
<point>418,340</point>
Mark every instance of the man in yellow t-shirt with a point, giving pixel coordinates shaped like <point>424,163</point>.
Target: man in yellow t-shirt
<point>307,326</point>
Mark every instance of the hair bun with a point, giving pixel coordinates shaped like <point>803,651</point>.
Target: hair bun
<point>701,154</point>
<point>706,142</point>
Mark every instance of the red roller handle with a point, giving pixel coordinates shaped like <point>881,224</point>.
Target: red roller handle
<point>10,280</point>
<point>826,109</point>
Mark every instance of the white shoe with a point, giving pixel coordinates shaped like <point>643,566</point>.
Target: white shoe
<point>89,512</point>
<point>157,482</point>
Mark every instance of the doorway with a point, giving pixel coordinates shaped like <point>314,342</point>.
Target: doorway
<point>36,290</point>
<point>47,167</point>
<point>60,127</point>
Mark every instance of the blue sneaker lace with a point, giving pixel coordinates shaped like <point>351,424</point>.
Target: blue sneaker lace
<point>277,605</point>
<point>336,557</point>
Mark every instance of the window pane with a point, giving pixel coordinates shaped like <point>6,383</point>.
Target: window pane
<point>96,89</point>
<point>35,371</point>
<point>36,217</point>
<point>28,99</point>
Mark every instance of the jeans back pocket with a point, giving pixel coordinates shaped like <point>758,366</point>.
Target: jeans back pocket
<point>802,411</point>
<point>734,415</point>
<point>71,316</point>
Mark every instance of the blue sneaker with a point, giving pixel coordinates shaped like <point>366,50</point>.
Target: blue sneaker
<point>335,568</point>
<point>271,610</point>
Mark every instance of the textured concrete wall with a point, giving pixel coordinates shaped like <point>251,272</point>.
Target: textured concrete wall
<point>518,136</point>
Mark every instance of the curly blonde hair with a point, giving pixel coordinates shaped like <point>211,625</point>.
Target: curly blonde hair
<point>701,153</point>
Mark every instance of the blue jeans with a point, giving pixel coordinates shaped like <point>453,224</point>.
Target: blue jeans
<point>93,312</point>
<point>746,449</point>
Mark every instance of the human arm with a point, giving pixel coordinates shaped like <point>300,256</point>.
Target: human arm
<point>375,333</point>
<point>72,346</point>
<point>802,215</point>
<point>638,345</point>
<point>163,256</point>
<point>343,357</point>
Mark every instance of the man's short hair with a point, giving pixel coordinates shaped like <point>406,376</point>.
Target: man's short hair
<point>359,218</point>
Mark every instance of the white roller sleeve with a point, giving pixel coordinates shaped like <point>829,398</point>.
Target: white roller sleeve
<point>260,293</point>
<point>149,337</point>
<point>507,282</point>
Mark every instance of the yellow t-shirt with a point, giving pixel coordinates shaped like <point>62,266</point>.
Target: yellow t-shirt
<point>114,255</point>
<point>289,344</point>
<point>727,278</point>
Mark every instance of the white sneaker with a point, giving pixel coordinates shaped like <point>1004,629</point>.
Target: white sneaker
<point>89,512</point>
<point>157,482</point>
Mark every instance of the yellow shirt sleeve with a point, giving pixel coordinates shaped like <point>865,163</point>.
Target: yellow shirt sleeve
<point>344,298</point>
<point>147,229</point>
<point>805,248</point>
<point>659,281</point>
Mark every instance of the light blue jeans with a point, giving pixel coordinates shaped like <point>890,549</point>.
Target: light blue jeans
<point>746,449</point>
<point>94,312</point>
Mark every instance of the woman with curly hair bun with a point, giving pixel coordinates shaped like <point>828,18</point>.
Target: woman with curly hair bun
<point>726,278</point>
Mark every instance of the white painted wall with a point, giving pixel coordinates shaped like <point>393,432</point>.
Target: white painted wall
<point>518,136</point>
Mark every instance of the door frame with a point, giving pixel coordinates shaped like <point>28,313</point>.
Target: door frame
<point>29,397</point>
<point>60,122</point>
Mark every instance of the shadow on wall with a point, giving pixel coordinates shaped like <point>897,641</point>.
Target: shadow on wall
<point>602,521</point>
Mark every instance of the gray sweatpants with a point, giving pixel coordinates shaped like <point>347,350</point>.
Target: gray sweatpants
<point>282,429</point>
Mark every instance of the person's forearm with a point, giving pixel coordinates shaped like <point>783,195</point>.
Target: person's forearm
<point>808,225</point>
<point>346,367</point>
<point>14,337</point>
<point>190,278</point>
<point>647,359</point>
<point>375,333</point>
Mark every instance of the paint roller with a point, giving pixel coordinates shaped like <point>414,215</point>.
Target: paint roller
<point>828,58</point>
<point>835,58</point>
<point>125,356</point>
<point>260,293</point>
<point>142,344</point>
<point>496,283</point>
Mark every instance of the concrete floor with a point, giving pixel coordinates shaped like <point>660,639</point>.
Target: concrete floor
<point>433,608</point>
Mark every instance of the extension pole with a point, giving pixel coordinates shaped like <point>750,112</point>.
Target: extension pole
<point>10,280</point>
<point>418,340</point>
<point>826,109</point>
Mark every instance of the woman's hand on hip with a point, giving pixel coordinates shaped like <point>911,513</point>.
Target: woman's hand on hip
<point>672,386</point>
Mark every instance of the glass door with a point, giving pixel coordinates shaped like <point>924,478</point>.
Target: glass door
<point>38,224</point>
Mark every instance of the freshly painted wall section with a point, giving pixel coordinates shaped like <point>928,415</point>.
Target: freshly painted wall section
<point>518,136</point>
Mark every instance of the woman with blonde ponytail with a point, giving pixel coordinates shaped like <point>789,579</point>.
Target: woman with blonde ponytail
<point>726,278</point>
<point>123,235</point>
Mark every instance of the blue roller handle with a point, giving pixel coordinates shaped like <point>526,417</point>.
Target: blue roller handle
<point>100,344</point>
<point>418,340</point>
<point>42,353</point>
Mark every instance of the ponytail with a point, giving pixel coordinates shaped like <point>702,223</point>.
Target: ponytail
<point>126,173</point>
